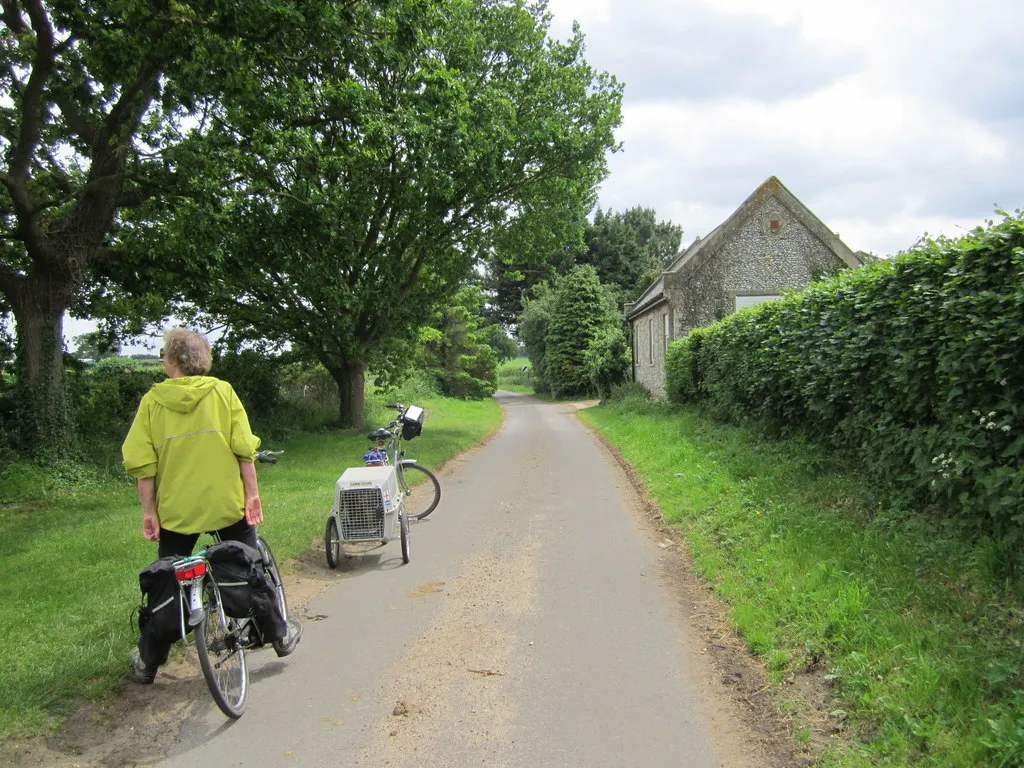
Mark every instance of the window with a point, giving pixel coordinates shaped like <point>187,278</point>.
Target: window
<point>650,340</point>
<point>667,329</point>
<point>750,301</point>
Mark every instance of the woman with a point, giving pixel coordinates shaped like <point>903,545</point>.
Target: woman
<point>191,450</point>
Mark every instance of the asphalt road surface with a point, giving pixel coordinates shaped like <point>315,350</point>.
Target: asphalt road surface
<point>533,627</point>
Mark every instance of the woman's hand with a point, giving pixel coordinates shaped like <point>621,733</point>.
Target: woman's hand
<point>253,510</point>
<point>150,518</point>
<point>151,526</point>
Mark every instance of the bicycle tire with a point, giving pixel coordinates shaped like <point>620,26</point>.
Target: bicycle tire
<point>332,542</point>
<point>419,509</point>
<point>221,657</point>
<point>403,524</point>
<point>281,648</point>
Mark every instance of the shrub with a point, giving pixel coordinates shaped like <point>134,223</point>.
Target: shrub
<point>608,360</point>
<point>104,397</point>
<point>910,365</point>
<point>582,310</point>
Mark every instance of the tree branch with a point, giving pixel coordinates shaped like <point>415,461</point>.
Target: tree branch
<point>32,117</point>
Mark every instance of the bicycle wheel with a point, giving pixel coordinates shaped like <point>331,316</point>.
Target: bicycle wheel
<point>427,495</point>
<point>286,646</point>
<point>221,656</point>
<point>332,542</point>
<point>403,523</point>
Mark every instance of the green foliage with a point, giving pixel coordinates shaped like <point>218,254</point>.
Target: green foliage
<point>504,346</point>
<point>583,310</point>
<point>682,367</point>
<point>922,650</point>
<point>608,360</point>
<point>534,323</point>
<point>356,195</point>
<point>101,102</point>
<point>457,351</point>
<point>96,346</point>
<point>105,396</point>
<point>516,375</point>
<point>256,377</point>
<point>629,249</point>
<point>912,365</point>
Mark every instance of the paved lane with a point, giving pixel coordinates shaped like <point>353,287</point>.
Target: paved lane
<point>532,628</point>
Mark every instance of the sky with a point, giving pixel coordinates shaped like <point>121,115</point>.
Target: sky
<point>890,119</point>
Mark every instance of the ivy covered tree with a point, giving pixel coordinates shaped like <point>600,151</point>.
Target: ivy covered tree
<point>583,310</point>
<point>356,197</point>
<point>456,349</point>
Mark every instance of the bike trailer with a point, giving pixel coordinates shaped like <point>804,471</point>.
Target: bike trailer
<point>367,503</point>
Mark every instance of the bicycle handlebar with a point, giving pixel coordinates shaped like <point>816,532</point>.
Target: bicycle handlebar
<point>268,457</point>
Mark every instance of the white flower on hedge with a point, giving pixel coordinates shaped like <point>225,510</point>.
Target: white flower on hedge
<point>1005,427</point>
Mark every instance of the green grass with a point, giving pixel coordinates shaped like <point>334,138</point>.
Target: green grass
<point>512,377</point>
<point>70,557</point>
<point>922,648</point>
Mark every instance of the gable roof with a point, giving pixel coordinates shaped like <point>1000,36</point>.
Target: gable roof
<point>700,249</point>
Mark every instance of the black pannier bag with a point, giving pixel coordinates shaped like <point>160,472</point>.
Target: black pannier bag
<point>245,589</point>
<point>412,422</point>
<point>160,612</point>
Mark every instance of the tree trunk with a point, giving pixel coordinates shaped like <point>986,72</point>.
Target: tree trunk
<point>350,377</point>
<point>45,428</point>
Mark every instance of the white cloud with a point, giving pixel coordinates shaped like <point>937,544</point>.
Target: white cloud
<point>888,118</point>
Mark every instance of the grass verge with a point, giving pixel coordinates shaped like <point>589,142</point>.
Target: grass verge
<point>895,610</point>
<point>70,557</point>
<point>513,378</point>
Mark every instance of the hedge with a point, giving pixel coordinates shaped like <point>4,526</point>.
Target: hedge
<point>913,366</point>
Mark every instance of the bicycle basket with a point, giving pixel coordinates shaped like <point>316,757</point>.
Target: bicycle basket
<point>412,422</point>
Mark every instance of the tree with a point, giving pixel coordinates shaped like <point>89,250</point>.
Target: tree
<point>357,199</point>
<point>629,249</point>
<point>96,97</point>
<point>583,309</point>
<point>96,345</point>
<point>533,324</point>
<point>456,348</point>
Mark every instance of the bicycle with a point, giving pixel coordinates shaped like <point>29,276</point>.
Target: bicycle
<point>389,452</point>
<point>377,520</point>
<point>221,640</point>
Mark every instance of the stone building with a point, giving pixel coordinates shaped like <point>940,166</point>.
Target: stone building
<point>770,244</point>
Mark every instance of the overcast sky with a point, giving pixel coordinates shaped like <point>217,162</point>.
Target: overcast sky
<point>889,119</point>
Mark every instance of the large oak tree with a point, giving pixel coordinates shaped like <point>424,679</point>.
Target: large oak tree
<point>356,196</point>
<point>95,98</point>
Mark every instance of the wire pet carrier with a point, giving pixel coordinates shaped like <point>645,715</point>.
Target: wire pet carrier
<point>367,504</point>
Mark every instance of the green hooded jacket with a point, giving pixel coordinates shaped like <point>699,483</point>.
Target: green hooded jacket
<point>190,433</point>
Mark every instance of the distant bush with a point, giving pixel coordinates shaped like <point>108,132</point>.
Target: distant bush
<point>912,366</point>
<point>105,396</point>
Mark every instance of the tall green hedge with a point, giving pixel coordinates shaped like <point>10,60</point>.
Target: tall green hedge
<point>914,367</point>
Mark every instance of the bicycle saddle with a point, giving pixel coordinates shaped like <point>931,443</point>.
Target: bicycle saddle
<point>379,434</point>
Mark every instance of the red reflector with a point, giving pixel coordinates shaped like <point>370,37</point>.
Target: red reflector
<point>184,574</point>
<point>200,569</point>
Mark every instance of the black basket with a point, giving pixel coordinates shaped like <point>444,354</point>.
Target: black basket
<point>412,422</point>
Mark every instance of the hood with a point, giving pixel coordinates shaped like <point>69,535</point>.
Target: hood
<point>184,394</point>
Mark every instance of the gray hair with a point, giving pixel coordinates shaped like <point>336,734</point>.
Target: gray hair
<point>187,351</point>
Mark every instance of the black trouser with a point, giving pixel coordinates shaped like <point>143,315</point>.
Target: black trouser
<point>181,545</point>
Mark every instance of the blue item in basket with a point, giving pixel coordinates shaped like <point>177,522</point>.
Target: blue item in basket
<point>374,458</point>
